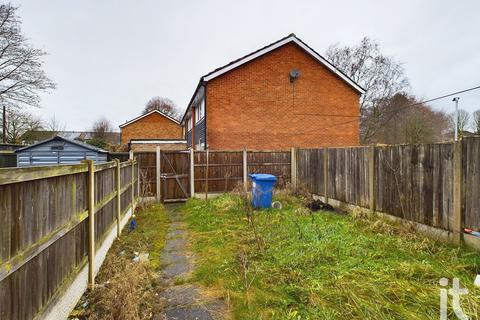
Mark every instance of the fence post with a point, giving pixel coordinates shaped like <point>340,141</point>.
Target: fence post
<point>293,168</point>
<point>371,178</point>
<point>206,177</point>
<point>157,174</point>
<point>91,222</point>
<point>132,192</point>
<point>457,192</point>
<point>118,187</point>
<point>325,173</point>
<point>132,185</point>
<point>245,170</point>
<point>192,173</point>
<point>138,182</point>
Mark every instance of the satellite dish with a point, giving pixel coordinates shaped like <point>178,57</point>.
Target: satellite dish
<point>294,74</point>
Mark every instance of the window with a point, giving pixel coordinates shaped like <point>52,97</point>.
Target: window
<point>200,111</point>
<point>189,123</point>
<point>56,147</point>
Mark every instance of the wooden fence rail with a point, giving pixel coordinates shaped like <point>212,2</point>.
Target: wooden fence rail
<point>437,185</point>
<point>52,222</point>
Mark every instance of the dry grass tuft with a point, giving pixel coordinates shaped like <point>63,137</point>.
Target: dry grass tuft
<point>302,211</point>
<point>126,289</point>
<point>360,214</point>
<point>129,283</point>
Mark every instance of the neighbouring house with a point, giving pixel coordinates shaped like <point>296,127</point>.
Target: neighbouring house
<point>150,130</point>
<point>280,96</point>
<point>58,150</point>
<point>34,136</point>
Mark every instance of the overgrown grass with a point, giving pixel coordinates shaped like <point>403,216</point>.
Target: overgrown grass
<point>297,265</point>
<point>126,289</point>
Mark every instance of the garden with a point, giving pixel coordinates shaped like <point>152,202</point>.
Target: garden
<point>292,263</point>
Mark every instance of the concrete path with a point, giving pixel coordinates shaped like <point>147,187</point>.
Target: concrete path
<point>183,301</point>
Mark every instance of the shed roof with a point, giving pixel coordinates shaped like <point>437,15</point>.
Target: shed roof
<point>147,114</point>
<point>58,138</point>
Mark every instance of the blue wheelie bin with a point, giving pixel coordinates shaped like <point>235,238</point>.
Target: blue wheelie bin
<point>262,187</point>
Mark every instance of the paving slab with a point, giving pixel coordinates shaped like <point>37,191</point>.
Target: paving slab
<point>183,301</point>
<point>188,313</point>
<point>182,295</point>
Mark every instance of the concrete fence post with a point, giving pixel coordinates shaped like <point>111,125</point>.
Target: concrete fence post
<point>192,173</point>
<point>245,170</point>
<point>456,226</point>
<point>118,202</point>
<point>371,178</point>
<point>91,222</point>
<point>158,173</point>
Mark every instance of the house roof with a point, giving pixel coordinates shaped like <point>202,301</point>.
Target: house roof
<point>147,114</point>
<point>291,38</point>
<point>58,138</point>
<point>40,135</point>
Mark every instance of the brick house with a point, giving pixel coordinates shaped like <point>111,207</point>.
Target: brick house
<point>280,96</point>
<point>146,132</point>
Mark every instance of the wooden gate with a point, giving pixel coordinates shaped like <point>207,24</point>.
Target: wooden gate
<point>175,175</point>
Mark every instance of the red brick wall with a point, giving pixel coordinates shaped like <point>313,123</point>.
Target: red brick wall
<point>152,147</point>
<point>153,126</point>
<point>256,106</point>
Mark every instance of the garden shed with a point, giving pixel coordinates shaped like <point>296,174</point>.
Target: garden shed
<point>58,150</point>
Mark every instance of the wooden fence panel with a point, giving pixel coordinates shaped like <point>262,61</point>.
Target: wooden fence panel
<point>310,173</point>
<point>125,179</point>
<point>357,176</point>
<point>105,196</point>
<point>225,170</point>
<point>30,212</point>
<point>271,162</point>
<point>415,182</point>
<point>336,174</point>
<point>147,163</point>
<point>44,232</point>
<point>471,182</point>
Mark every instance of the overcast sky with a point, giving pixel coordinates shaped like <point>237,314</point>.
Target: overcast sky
<point>109,57</point>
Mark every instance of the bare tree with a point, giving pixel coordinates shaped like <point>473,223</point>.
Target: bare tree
<point>463,121</point>
<point>19,123</point>
<point>21,74</point>
<point>101,129</point>
<point>476,122</point>
<point>54,125</point>
<point>418,123</point>
<point>164,105</point>
<point>381,76</point>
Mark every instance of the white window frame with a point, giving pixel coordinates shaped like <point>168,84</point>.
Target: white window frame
<point>189,123</point>
<point>200,112</point>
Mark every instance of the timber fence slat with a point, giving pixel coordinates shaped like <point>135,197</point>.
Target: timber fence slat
<point>44,233</point>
